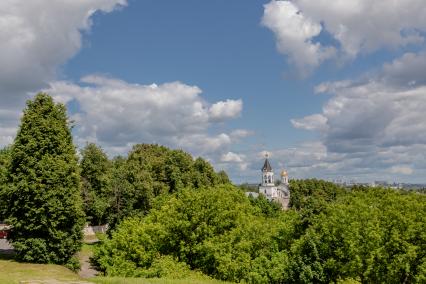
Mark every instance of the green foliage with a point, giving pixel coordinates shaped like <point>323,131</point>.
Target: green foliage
<point>311,196</point>
<point>152,171</point>
<point>96,175</point>
<point>254,251</point>
<point>266,207</point>
<point>204,174</point>
<point>122,195</point>
<point>195,279</point>
<point>4,165</point>
<point>310,193</point>
<point>223,177</point>
<point>180,220</point>
<point>166,267</point>
<point>216,231</point>
<point>43,195</point>
<point>366,235</point>
<point>73,264</point>
<point>374,235</point>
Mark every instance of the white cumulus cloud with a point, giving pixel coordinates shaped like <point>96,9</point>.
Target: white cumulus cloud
<point>375,125</point>
<point>115,113</point>
<point>226,110</point>
<point>357,26</point>
<point>37,37</point>
<point>311,122</point>
<point>232,157</point>
<point>294,32</point>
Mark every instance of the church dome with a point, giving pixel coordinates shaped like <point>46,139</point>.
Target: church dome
<point>284,173</point>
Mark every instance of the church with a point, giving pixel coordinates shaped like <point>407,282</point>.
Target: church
<point>278,193</point>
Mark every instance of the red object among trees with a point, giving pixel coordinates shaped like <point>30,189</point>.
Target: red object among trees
<point>4,230</point>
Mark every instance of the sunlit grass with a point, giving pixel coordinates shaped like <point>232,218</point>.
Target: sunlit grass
<point>118,280</point>
<point>12,272</point>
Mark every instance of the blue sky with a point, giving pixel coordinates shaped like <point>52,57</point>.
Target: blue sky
<point>331,90</point>
<point>203,44</point>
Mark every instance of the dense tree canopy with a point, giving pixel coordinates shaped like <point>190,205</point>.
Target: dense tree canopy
<point>44,206</point>
<point>311,196</point>
<point>361,235</point>
<point>151,171</point>
<point>373,235</point>
<point>96,171</point>
<point>266,207</point>
<point>214,230</point>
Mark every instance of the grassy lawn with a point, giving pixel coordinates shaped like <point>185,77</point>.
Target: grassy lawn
<point>117,280</point>
<point>12,272</point>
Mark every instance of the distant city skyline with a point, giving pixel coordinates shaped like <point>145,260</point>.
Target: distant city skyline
<point>330,89</point>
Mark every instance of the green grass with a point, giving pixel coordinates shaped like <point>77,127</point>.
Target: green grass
<point>118,280</point>
<point>86,250</point>
<point>12,272</point>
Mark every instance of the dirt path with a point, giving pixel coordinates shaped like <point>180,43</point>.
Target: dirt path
<point>86,270</point>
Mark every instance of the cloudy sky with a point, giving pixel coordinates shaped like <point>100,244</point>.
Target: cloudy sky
<point>330,89</point>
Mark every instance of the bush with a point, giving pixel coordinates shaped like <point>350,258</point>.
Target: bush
<point>73,264</point>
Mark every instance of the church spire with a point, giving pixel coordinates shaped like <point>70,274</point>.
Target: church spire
<point>266,166</point>
<point>267,173</point>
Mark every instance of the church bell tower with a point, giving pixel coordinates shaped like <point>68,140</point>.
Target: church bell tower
<point>267,173</point>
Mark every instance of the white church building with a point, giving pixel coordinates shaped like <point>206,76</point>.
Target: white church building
<point>278,193</point>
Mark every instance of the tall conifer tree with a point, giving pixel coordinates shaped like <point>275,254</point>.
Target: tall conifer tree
<point>44,203</point>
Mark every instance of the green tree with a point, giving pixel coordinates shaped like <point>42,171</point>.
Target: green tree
<point>4,165</point>
<point>204,174</point>
<point>179,170</point>
<point>152,172</point>
<point>373,235</point>
<point>213,230</point>
<point>223,177</point>
<point>177,228</point>
<point>124,197</point>
<point>311,196</point>
<point>266,207</point>
<point>44,203</point>
<point>96,178</point>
